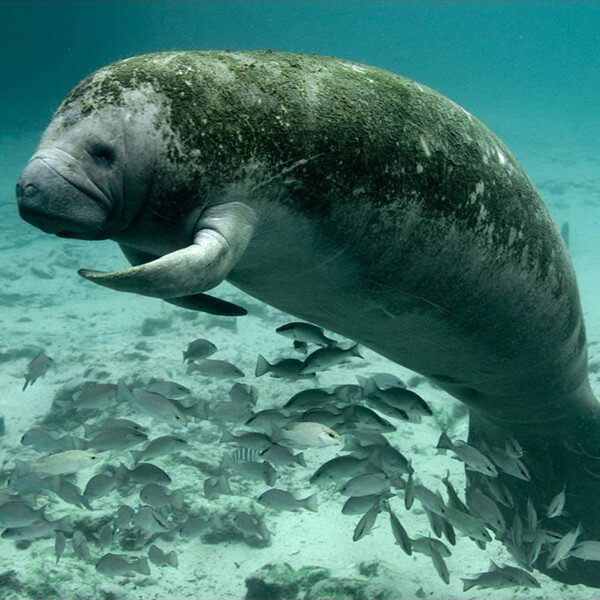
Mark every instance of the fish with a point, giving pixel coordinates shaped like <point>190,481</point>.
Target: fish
<point>254,440</point>
<point>325,358</point>
<point>265,420</point>
<point>70,493</point>
<point>37,369</point>
<point>215,486</point>
<point>162,559</point>
<point>157,496</point>
<point>305,434</point>
<point>243,393</point>
<point>286,368</point>
<point>409,492</point>
<point>359,505</point>
<point>383,381</point>
<point>453,497</point>
<point>60,543</point>
<point>80,546</point>
<point>198,350</point>
<point>105,536</point>
<point>310,398</point>
<point>440,566</point>
<point>94,397</point>
<point>486,509</point>
<point>392,461</point>
<point>124,516</point>
<point>399,398</point>
<point>283,500</point>
<point>29,484</point>
<point>142,473</point>
<point>562,549</point>
<point>361,417</point>
<point>586,550</point>
<point>156,406</point>
<point>513,448</point>
<point>474,460</point>
<point>467,524</point>
<point>426,545</point>
<point>118,565</point>
<point>358,439</point>
<point>149,521</point>
<point>430,500</point>
<point>62,463</point>
<point>282,457</point>
<point>329,416</point>
<point>169,389</point>
<point>41,440</point>
<point>217,369</point>
<point>348,393</point>
<point>166,444</point>
<point>36,531</point>
<point>366,522</point>
<point>365,484</point>
<point>96,426</point>
<point>119,438</point>
<point>383,407</point>
<point>557,505</point>
<point>508,464</point>
<point>305,332</point>
<point>243,454</point>
<point>253,469</point>
<point>195,526</point>
<point>251,526</point>
<point>339,468</point>
<point>400,535</point>
<point>500,578</point>
<point>227,412</point>
<point>99,486</point>
<point>500,492</point>
<point>532,518</point>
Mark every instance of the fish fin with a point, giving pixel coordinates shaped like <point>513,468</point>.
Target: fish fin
<point>184,355</point>
<point>355,351</point>
<point>493,566</point>
<point>300,459</point>
<point>137,455</point>
<point>468,584</point>
<point>311,502</point>
<point>141,566</point>
<point>22,468</point>
<point>171,559</point>
<point>262,366</point>
<point>227,436</point>
<point>444,443</point>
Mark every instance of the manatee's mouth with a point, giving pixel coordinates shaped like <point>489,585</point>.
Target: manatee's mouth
<point>56,194</point>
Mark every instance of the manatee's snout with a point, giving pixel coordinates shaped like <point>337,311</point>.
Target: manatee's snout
<point>54,204</point>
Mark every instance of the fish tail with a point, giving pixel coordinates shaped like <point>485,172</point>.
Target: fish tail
<point>123,392</point>
<point>355,351</point>
<point>445,443</point>
<point>26,384</point>
<point>137,455</point>
<point>171,559</point>
<point>22,468</point>
<point>262,366</point>
<point>141,566</point>
<point>468,584</point>
<point>227,436</point>
<point>310,503</point>
<point>184,355</point>
<point>300,459</point>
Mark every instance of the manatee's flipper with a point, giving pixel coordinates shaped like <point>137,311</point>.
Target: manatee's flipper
<point>222,235</point>
<point>209,304</point>
<point>198,302</point>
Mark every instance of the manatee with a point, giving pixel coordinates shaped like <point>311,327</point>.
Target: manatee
<point>352,198</point>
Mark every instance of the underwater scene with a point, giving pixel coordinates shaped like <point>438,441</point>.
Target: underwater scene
<point>299,300</point>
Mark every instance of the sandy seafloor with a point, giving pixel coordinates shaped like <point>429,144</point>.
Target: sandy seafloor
<point>94,334</point>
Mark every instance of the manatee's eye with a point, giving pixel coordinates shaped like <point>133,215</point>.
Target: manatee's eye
<point>103,153</point>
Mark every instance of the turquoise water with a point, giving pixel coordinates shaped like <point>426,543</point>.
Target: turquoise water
<point>528,70</point>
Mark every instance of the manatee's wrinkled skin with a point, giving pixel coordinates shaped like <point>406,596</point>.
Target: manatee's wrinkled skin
<point>372,206</point>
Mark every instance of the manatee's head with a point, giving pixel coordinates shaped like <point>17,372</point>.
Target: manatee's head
<point>91,172</point>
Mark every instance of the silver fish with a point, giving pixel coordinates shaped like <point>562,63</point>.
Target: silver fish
<point>99,486</point>
<point>467,524</point>
<point>80,546</point>
<point>562,549</point>
<point>161,558</point>
<point>286,368</point>
<point>118,565</point>
<point>587,551</point>
<point>282,457</point>
<point>512,448</point>
<point>96,426</point>
<point>366,484</point>
<point>198,350</point>
<point>501,577</point>
<point>383,407</point>
<point>473,458</point>
<point>311,398</point>
<point>37,368</point>
<point>366,522</point>
<point>283,500</point>
<point>402,538</point>
<point>157,496</point>
<point>453,498</point>
<point>29,484</point>
<point>36,531</point>
<point>399,398</point>
<point>440,566</point>
<point>324,358</point>
<point>512,466</point>
<point>156,406</point>
<point>305,434</point>
<point>557,505</point>
<point>96,397</point>
<point>105,536</point>
<point>359,505</point>
<point>215,486</point>
<point>383,381</point>
<point>166,444</point>
<point>62,463</point>
<point>254,440</point>
<point>339,468</point>
<point>169,389</point>
<point>70,493</point>
<point>60,543</point>
<point>430,500</point>
<point>142,473</point>
<point>251,526</point>
<point>195,526</point>
<point>486,509</point>
<point>361,417</point>
<point>265,420</point>
<point>149,521</point>
<point>124,516</point>
<point>409,492</point>
<point>217,369</point>
<point>243,393</point>
<point>305,332</point>
<point>120,438</point>
<point>252,469</point>
<point>426,545</point>
<point>41,440</point>
<point>532,518</point>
